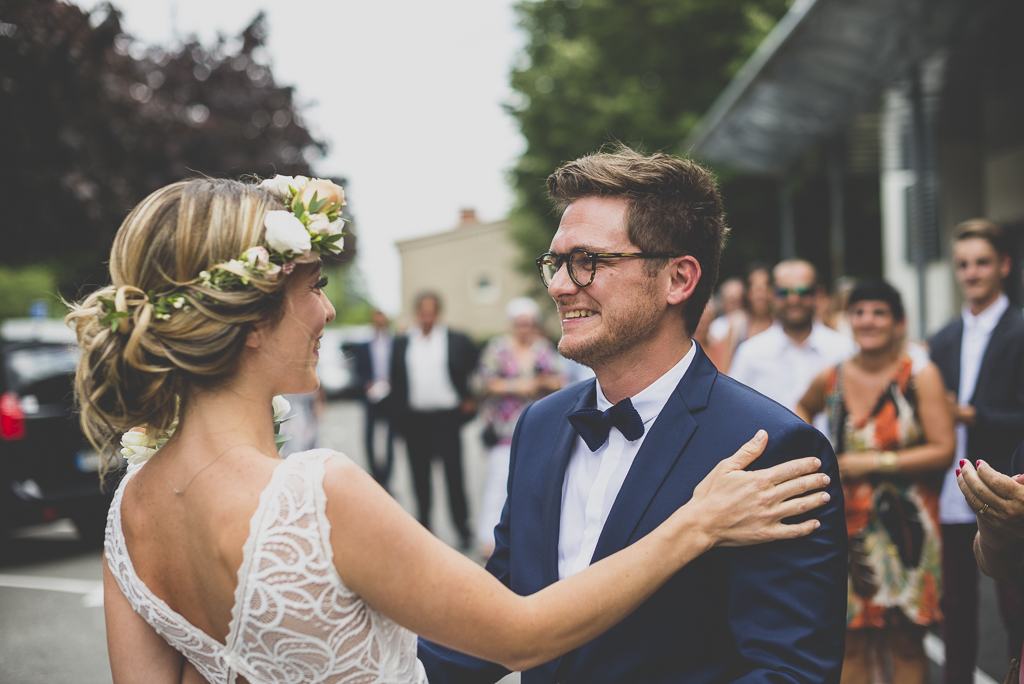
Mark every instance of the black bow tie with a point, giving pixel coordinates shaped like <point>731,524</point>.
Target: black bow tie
<point>593,425</point>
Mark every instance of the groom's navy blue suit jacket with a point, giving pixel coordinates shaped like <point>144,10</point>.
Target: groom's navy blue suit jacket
<point>769,613</point>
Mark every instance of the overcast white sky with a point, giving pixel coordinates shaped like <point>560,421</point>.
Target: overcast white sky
<point>407,93</point>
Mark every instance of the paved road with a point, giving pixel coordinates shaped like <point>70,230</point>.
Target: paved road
<point>51,619</point>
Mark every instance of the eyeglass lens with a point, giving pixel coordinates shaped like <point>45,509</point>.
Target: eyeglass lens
<point>580,264</point>
<point>783,292</point>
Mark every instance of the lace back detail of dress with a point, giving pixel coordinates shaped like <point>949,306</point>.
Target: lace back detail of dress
<point>294,620</point>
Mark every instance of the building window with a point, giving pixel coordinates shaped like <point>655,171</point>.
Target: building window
<point>485,288</point>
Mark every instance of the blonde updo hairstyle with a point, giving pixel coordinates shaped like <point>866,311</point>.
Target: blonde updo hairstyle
<point>140,374</point>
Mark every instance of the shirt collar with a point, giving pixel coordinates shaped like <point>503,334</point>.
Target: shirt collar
<point>986,320</point>
<point>437,331</point>
<point>649,401</point>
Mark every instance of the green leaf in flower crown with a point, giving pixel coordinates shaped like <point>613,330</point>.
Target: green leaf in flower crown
<point>316,204</point>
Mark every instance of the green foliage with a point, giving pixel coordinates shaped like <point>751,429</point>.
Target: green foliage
<point>641,72</point>
<point>19,287</point>
<point>91,122</point>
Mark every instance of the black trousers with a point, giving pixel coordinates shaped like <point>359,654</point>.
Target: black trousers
<point>376,413</point>
<point>430,434</point>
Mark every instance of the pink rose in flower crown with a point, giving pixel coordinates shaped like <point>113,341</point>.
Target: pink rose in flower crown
<point>257,257</point>
<point>323,189</point>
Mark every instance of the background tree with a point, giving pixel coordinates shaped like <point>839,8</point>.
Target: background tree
<point>92,121</point>
<point>643,72</point>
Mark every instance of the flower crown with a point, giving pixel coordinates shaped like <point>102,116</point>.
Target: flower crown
<point>310,225</point>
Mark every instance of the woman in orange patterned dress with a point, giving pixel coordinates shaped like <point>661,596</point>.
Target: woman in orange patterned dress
<point>893,432</point>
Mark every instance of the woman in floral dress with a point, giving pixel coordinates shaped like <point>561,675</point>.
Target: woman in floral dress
<point>893,432</point>
<point>514,370</point>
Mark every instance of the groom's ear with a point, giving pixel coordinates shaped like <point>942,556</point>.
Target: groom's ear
<point>684,274</point>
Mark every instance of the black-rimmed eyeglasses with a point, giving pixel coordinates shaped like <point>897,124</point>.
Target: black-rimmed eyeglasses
<point>582,264</point>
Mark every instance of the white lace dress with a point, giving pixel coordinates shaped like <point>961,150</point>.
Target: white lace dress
<point>293,620</point>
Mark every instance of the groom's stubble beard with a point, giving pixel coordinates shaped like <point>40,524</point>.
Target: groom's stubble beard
<point>636,322</point>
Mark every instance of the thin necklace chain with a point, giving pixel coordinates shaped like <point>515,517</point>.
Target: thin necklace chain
<point>180,492</point>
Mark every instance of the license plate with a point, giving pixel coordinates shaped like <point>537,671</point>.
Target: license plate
<point>88,461</point>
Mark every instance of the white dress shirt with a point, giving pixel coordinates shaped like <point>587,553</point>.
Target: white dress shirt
<point>779,368</point>
<point>953,508</point>
<point>380,356</point>
<point>426,362</point>
<point>593,478</point>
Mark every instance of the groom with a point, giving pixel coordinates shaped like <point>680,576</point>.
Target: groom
<point>631,268</point>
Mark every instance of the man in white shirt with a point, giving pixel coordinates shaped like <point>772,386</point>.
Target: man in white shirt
<point>781,362</point>
<point>430,382</point>
<point>598,465</point>
<point>981,357</point>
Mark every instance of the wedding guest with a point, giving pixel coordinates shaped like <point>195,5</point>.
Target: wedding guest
<point>890,425</point>
<point>981,356</point>
<point>736,326</point>
<point>373,369</point>
<point>732,294</point>
<point>781,361</point>
<point>515,369</point>
<point>224,562</point>
<point>430,372</point>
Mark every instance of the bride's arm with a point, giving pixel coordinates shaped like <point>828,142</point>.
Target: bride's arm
<point>402,570</point>
<point>137,653</point>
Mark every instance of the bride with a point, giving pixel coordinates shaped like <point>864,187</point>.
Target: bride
<point>225,563</point>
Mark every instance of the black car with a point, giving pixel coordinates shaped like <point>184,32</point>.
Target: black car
<point>48,470</point>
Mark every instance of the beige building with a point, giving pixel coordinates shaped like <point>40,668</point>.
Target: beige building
<point>473,267</point>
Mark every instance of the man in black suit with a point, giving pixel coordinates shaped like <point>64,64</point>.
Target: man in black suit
<point>373,369</point>
<point>981,356</point>
<point>430,383</point>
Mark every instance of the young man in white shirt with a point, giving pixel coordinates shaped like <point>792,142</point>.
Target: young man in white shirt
<point>781,362</point>
<point>981,357</point>
<point>595,466</point>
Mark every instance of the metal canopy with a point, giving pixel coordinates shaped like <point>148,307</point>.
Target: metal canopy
<point>819,66</point>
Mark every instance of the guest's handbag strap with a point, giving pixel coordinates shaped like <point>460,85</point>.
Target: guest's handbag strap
<point>1013,676</point>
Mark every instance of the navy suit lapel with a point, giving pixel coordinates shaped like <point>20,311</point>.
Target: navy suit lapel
<point>661,449</point>
<point>991,357</point>
<point>561,448</point>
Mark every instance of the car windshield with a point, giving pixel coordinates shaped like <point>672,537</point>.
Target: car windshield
<point>27,367</point>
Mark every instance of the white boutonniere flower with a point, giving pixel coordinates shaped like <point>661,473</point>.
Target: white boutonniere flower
<point>137,447</point>
<point>281,408</point>
<point>285,233</point>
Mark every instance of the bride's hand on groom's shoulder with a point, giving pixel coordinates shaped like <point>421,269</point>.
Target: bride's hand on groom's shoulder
<point>740,507</point>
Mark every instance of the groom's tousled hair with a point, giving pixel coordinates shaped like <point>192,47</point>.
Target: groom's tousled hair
<point>673,207</point>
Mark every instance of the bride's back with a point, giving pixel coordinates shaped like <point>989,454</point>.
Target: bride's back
<point>187,548</point>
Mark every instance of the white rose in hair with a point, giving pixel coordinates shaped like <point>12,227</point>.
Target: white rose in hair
<point>337,226</point>
<point>299,183</point>
<point>278,185</point>
<point>285,233</point>
<point>319,223</point>
<point>281,408</point>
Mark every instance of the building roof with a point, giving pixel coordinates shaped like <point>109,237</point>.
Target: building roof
<point>459,233</point>
<point>822,64</point>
